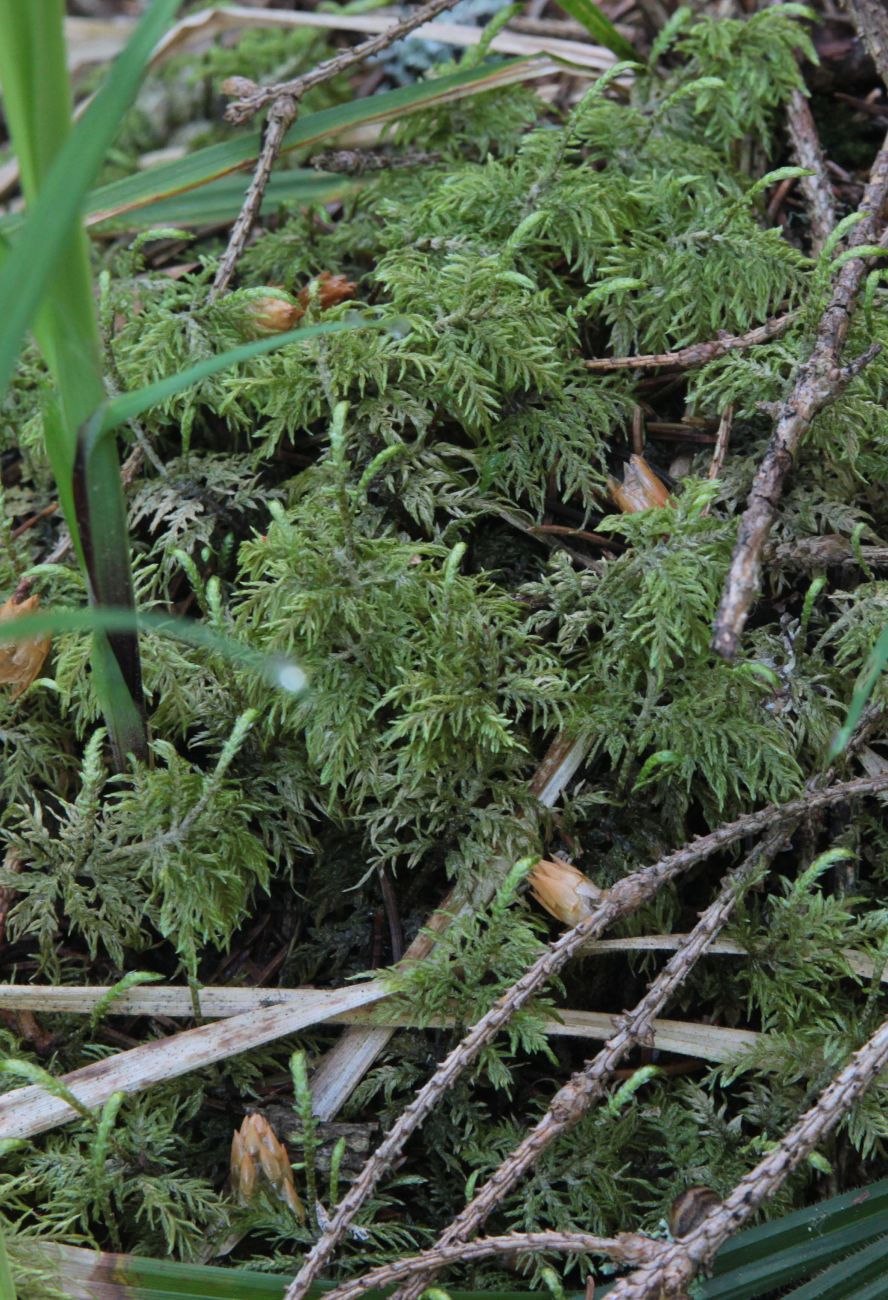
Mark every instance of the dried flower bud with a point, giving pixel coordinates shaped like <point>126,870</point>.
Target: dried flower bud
<point>21,661</point>
<point>690,1208</point>
<point>271,314</point>
<point>254,1149</point>
<point>640,489</point>
<point>563,891</point>
<point>327,290</point>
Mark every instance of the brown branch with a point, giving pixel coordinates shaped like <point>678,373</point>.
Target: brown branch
<point>241,110</point>
<point>819,381</point>
<point>870,17</point>
<point>570,1103</point>
<point>720,450</point>
<point>697,354</point>
<point>808,153</point>
<point>624,897</point>
<point>281,116</point>
<point>671,1273</point>
<point>627,1248</point>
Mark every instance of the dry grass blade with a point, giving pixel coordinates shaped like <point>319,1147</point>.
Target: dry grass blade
<point>27,1111</point>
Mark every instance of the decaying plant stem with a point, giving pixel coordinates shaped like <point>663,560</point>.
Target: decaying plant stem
<point>624,897</point>
<point>673,1270</point>
<point>819,381</point>
<point>870,17</point>
<point>698,354</point>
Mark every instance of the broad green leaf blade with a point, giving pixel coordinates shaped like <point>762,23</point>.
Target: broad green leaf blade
<point>600,27</point>
<point>28,269</point>
<point>220,201</point>
<point>861,1276</point>
<point>220,159</point>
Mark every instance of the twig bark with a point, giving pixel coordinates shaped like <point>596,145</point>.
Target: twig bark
<point>627,1248</point>
<point>808,153</point>
<point>572,1100</point>
<point>720,450</point>
<point>281,116</point>
<point>284,98</point>
<point>697,354</point>
<point>870,17</point>
<point>819,381</point>
<point>241,110</point>
<point>624,897</point>
<point>674,1269</point>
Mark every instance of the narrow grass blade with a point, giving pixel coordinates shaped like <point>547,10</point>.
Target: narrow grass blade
<point>7,1285</point>
<point>861,1276</point>
<point>217,160</point>
<point>276,670</point>
<point>600,27</point>
<point>863,689</point>
<point>28,269</point>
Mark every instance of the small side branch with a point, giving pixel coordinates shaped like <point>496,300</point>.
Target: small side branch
<point>624,897</point>
<point>819,381</point>
<point>697,354</point>
<point>672,1272</point>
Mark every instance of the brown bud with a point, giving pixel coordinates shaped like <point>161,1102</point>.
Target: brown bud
<point>640,489</point>
<point>563,891</point>
<point>328,290</point>
<point>271,314</point>
<point>254,1149</point>
<point>21,661</point>
<point>690,1209</point>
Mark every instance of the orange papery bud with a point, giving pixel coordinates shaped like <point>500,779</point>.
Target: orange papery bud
<point>640,489</point>
<point>270,314</point>
<point>21,661</point>
<point>563,891</point>
<point>328,290</point>
<point>255,1150</point>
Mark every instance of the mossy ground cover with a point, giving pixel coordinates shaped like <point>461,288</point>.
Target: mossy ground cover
<point>379,505</point>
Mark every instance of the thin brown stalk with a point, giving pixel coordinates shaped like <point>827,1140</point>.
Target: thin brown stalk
<point>808,153</point>
<point>281,116</point>
<point>819,381</point>
<point>624,897</point>
<point>870,17</point>
<point>697,354</point>
<point>672,1271</point>
<point>722,439</point>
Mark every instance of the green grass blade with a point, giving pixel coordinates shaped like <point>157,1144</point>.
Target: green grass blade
<point>600,28</point>
<point>863,1274</point>
<point>7,1286</point>
<point>28,270</point>
<point>863,689</point>
<point>220,201</point>
<point>128,406</point>
<point>217,160</point>
<point>277,670</point>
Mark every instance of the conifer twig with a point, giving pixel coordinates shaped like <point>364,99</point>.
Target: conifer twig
<point>675,1267</point>
<point>627,1248</point>
<point>575,1097</point>
<point>624,897</point>
<point>808,153</point>
<point>870,17</point>
<point>819,381</point>
<point>697,354</point>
